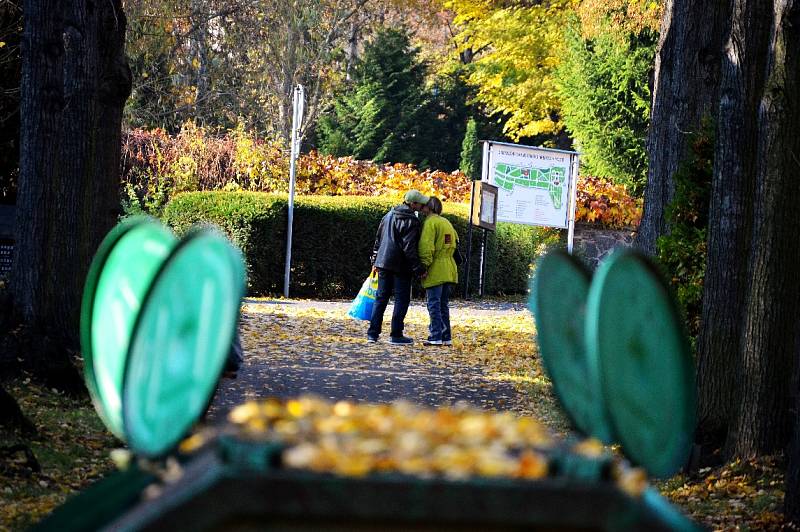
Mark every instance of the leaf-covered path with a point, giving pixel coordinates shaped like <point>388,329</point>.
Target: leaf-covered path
<point>295,347</point>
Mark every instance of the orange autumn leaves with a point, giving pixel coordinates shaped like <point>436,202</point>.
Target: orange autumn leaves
<point>155,163</point>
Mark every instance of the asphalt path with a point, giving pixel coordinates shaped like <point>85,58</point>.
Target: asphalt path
<point>326,353</point>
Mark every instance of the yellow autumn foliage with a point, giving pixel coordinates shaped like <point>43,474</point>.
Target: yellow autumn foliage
<point>516,50</point>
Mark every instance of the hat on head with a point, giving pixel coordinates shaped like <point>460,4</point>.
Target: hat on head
<point>415,196</point>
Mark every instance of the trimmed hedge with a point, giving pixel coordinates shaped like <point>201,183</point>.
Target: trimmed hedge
<point>333,237</point>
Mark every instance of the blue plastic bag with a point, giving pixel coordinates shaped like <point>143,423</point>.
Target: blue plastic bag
<point>361,308</point>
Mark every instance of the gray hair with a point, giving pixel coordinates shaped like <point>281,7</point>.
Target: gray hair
<point>435,205</point>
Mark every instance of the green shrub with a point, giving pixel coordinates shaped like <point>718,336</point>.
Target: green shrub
<point>255,222</point>
<point>605,101</point>
<point>471,151</point>
<point>683,251</point>
<point>333,237</point>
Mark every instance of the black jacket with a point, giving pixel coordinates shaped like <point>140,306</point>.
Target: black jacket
<point>397,241</point>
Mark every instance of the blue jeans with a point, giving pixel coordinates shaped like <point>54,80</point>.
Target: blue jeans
<point>235,355</point>
<point>388,283</point>
<point>439,312</point>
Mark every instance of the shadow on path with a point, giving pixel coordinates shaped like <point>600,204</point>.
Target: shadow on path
<point>313,347</point>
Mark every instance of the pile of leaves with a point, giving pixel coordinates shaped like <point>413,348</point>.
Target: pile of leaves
<point>358,439</point>
<point>455,442</point>
<point>156,166</point>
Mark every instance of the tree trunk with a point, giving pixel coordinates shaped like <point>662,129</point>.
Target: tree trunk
<point>75,81</point>
<point>41,105</point>
<point>685,90</point>
<point>791,505</point>
<point>769,345</point>
<point>730,218</point>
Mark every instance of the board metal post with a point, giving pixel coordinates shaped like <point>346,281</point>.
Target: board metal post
<point>297,119</point>
<point>482,270</point>
<point>469,242</point>
<point>572,202</point>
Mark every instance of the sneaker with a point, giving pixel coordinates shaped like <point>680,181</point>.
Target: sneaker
<point>401,340</point>
<point>433,342</point>
<point>447,342</point>
<point>372,339</point>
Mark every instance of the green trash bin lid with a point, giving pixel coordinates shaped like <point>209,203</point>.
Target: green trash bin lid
<point>120,275</point>
<point>637,346</point>
<point>559,291</point>
<point>181,340</point>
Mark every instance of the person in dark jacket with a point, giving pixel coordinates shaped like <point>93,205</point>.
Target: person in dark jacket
<point>395,256</point>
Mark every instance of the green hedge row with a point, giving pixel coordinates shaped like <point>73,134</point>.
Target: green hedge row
<point>332,240</point>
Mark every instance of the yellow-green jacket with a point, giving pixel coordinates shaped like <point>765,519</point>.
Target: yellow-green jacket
<point>437,244</point>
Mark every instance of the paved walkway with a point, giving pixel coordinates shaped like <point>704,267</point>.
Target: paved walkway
<point>297,347</point>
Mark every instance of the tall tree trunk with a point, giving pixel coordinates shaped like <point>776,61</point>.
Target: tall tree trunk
<point>792,498</point>
<point>41,107</point>
<point>686,88</point>
<point>769,345</point>
<point>75,82</point>
<point>730,217</point>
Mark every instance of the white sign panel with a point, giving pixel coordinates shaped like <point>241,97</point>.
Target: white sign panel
<point>487,213</point>
<point>533,184</point>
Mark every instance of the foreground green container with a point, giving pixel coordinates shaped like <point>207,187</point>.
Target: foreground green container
<point>238,485</point>
<point>174,311</point>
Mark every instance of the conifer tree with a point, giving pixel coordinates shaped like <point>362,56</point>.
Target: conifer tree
<point>384,115</point>
<point>605,101</point>
<point>471,151</point>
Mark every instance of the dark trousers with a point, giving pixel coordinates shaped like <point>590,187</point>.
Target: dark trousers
<point>439,312</point>
<point>235,355</point>
<point>388,283</point>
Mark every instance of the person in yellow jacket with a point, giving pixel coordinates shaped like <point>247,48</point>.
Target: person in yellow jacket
<point>437,243</point>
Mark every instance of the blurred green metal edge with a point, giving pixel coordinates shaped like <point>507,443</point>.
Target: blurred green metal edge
<point>601,424</point>
<point>87,307</point>
<point>196,231</point>
<point>241,481</point>
<point>593,335</point>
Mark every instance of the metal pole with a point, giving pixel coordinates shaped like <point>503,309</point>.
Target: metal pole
<point>297,117</point>
<point>482,264</point>
<point>573,199</point>
<point>469,242</point>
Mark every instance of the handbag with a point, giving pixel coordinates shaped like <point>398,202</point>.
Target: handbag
<point>361,307</point>
<point>458,257</point>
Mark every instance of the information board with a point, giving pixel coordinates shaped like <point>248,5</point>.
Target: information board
<point>484,205</point>
<point>535,185</point>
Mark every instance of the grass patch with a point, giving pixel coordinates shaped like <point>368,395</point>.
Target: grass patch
<point>72,448</point>
<point>740,495</point>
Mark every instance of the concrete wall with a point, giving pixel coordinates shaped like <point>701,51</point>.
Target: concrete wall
<point>592,243</point>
